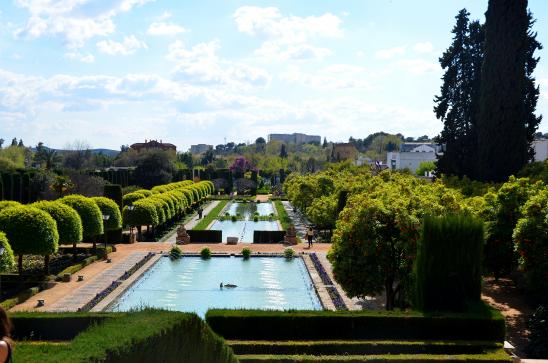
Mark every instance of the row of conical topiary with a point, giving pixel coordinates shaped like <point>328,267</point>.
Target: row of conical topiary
<point>163,203</point>
<point>39,228</point>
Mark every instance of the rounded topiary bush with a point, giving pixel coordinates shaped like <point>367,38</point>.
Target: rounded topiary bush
<point>6,258</point>
<point>8,203</point>
<point>205,253</point>
<point>89,212</point>
<point>246,253</point>
<point>131,198</point>
<point>110,208</point>
<point>29,231</point>
<point>69,223</point>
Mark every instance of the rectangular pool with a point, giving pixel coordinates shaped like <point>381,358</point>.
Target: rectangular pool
<point>192,284</point>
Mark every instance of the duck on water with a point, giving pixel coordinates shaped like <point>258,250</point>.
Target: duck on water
<point>229,286</point>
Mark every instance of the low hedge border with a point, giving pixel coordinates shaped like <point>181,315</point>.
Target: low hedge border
<point>498,356</point>
<point>284,218</point>
<point>52,326</point>
<point>77,267</point>
<point>362,347</point>
<point>331,289</point>
<point>144,336</point>
<point>480,323</point>
<point>20,297</point>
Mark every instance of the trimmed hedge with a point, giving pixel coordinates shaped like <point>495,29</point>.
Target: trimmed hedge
<point>92,219</point>
<point>114,192</point>
<point>110,208</point>
<point>496,356</point>
<point>8,204</point>
<point>131,198</point>
<point>77,267</point>
<point>448,264</point>
<point>268,236</point>
<point>69,224</point>
<point>144,213</point>
<point>52,326</point>
<point>144,336</point>
<point>205,236</point>
<point>29,230</point>
<point>485,324</point>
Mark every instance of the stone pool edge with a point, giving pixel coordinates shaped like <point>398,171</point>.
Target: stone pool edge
<point>106,303</point>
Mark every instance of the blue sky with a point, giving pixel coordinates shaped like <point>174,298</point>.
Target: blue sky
<point>113,72</point>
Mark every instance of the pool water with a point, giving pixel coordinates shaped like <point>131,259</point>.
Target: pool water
<point>248,209</point>
<point>243,229</point>
<point>192,284</point>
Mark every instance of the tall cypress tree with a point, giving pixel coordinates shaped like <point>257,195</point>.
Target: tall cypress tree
<point>456,106</point>
<point>532,91</point>
<point>503,147</point>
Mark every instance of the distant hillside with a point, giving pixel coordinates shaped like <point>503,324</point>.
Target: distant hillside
<point>107,152</point>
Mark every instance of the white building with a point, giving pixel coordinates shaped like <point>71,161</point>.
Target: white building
<point>200,148</point>
<point>411,155</point>
<point>295,138</point>
<point>541,149</point>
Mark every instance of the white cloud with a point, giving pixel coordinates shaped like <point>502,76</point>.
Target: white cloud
<point>333,77</point>
<point>200,64</point>
<point>390,52</point>
<point>418,66</point>
<point>75,21</point>
<point>128,46</point>
<point>160,28</point>
<point>85,58</point>
<point>425,47</point>
<point>287,37</point>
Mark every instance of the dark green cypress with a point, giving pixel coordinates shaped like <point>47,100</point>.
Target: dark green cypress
<point>456,105</point>
<point>503,148</point>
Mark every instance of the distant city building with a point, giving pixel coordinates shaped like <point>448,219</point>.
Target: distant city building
<point>295,138</point>
<point>200,148</point>
<point>541,149</point>
<point>153,145</point>
<point>411,155</point>
<point>344,151</point>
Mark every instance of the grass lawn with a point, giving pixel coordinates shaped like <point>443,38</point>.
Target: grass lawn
<point>204,222</point>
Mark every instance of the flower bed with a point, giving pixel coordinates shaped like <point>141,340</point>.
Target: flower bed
<point>331,289</point>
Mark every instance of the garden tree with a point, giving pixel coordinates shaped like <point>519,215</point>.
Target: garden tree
<point>49,158</point>
<point>153,168</point>
<point>260,145</point>
<point>457,103</point>
<point>426,166</point>
<point>531,238</point>
<point>131,198</point>
<point>90,214</point>
<point>69,223</point>
<point>62,185</point>
<point>20,144</point>
<point>143,214</point>
<point>535,171</point>
<point>14,142</point>
<point>283,152</point>
<point>77,155</point>
<point>373,246</point>
<point>109,208</point>
<point>324,145</point>
<point>502,118</point>
<point>208,157</point>
<point>13,156</point>
<point>30,231</point>
<point>6,257</point>
<point>323,211</point>
<point>423,138</point>
<point>1,142</point>
<point>503,210</point>
<point>87,185</point>
<point>310,166</point>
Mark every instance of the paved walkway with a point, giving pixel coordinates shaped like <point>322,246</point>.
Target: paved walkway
<point>193,221</point>
<point>299,221</point>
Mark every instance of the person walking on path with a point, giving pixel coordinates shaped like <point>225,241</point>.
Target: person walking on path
<point>200,212</point>
<point>5,342</point>
<point>310,236</point>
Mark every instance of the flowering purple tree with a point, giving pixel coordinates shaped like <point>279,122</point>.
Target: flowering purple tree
<point>242,165</point>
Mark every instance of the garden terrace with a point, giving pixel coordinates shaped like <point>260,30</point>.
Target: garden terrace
<point>307,336</point>
<point>148,335</point>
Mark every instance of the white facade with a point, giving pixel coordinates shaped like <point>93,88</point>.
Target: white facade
<point>200,148</point>
<point>411,159</point>
<point>541,149</point>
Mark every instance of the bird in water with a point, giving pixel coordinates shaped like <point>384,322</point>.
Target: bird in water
<point>229,286</point>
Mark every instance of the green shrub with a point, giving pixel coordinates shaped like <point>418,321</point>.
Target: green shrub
<point>255,218</point>
<point>234,218</point>
<point>144,213</point>
<point>114,192</point>
<point>531,243</point>
<point>6,258</point>
<point>110,208</point>
<point>175,252</point>
<point>289,253</point>
<point>144,336</point>
<point>89,212</point>
<point>8,203</point>
<point>131,198</point>
<point>480,323</point>
<point>448,263</point>
<point>77,267</point>
<point>246,253</point>
<point>69,223</point>
<point>205,253</point>
<point>29,231</point>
